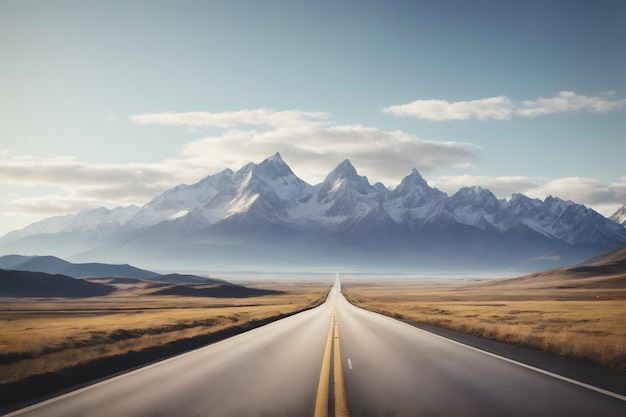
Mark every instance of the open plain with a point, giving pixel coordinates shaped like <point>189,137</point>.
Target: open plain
<point>336,359</point>
<point>575,312</point>
<point>47,335</point>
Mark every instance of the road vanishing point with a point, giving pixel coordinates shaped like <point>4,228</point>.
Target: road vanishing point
<point>335,360</point>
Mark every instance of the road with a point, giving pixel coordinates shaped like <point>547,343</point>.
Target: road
<point>334,360</point>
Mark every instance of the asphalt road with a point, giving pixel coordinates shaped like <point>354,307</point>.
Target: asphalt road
<point>389,369</point>
<point>393,369</point>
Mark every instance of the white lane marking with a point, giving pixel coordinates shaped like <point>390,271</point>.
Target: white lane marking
<point>350,363</point>
<point>533,368</point>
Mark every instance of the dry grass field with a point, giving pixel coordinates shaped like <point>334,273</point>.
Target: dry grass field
<point>574,313</point>
<point>46,335</point>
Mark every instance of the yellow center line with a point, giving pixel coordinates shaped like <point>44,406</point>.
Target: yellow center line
<point>323,387</point>
<point>341,404</point>
<point>321,401</point>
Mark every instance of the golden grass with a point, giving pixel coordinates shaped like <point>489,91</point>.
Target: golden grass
<point>46,335</point>
<point>582,324</point>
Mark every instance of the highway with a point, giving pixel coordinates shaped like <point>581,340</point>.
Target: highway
<point>336,360</point>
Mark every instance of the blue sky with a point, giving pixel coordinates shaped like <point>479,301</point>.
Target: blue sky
<point>110,103</point>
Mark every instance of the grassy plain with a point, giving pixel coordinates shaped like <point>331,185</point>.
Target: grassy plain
<point>47,335</point>
<point>582,319</point>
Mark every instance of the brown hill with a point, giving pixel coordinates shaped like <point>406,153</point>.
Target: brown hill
<point>606,271</point>
<point>40,284</point>
<point>207,288</point>
<point>222,290</point>
<point>616,256</point>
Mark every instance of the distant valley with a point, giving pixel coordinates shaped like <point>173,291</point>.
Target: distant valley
<point>48,276</point>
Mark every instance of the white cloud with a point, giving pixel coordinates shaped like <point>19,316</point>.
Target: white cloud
<point>314,149</point>
<point>63,185</point>
<point>258,117</point>
<point>311,143</point>
<point>586,191</point>
<point>567,101</point>
<point>502,107</point>
<point>487,108</point>
<point>66,170</point>
<point>53,204</point>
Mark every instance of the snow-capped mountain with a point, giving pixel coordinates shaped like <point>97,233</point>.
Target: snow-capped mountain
<point>264,191</point>
<point>96,222</point>
<point>343,199</point>
<point>619,216</point>
<point>264,214</point>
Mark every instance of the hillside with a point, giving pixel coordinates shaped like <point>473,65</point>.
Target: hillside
<point>217,289</point>
<point>54,265</point>
<point>605,271</point>
<point>39,284</point>
<point>616,256</point>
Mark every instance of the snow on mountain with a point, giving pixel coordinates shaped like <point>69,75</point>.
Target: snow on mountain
<point>619,216</point>
<point>474,206</point>
<point>182,200</point>
<point>260,199</point>
<point>567,221</point>
<point>344,195</point>
<point>413,200</point>
<point>265,190</point>
<point>99,221</point>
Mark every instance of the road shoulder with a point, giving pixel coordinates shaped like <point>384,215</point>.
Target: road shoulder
<point>597,376</point>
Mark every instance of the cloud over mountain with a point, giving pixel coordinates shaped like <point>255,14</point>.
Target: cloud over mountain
<point>263,214</point>
<point>313,141</point>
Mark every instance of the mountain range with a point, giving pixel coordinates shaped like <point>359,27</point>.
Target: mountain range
<point>263,215</point>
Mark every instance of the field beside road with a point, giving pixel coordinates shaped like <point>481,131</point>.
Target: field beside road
<point>47,335</point>
<point>581,318</point>
<point>580,326</point>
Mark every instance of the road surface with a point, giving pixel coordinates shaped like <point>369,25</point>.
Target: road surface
<point>334,360</point>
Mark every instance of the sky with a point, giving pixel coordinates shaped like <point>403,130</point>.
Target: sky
<point>111,103</point>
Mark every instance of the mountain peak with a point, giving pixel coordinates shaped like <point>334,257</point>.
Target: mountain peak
<point>414,179</point>
<point>275,158</point>
<point>345,169</point>
<point>558,204</point>
<point>343,179</point>
<point>271,168</point>
<point>519,199</point>
<point>475,191</point>
<point>475,196</point>
<point>413,183</point>
<point>271,177</point>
